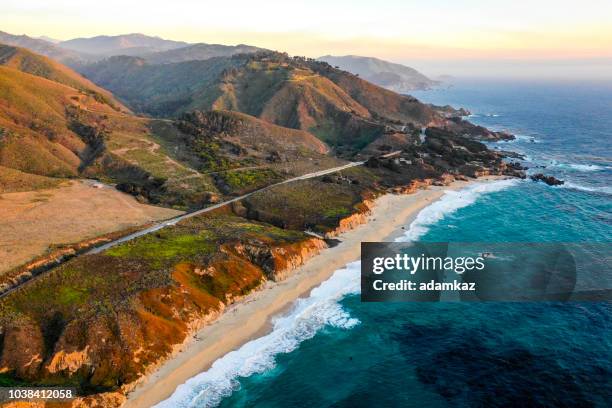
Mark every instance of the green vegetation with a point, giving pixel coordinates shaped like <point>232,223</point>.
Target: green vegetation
<point>250,179</point>
<point>164,246</point>
<point>308,204</point>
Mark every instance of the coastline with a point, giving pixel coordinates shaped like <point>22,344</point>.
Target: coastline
<point>251,317</point>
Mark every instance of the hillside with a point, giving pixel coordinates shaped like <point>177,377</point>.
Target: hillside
<point>127,44</point>
<point>344,111</point>
<point>26,61</point>
<point>395,77</point>
<point>36,134</point>
<point>54,123</point>
<point>198,52</point>
<point>158,90</point>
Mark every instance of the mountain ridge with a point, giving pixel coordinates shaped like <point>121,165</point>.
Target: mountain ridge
<point>125,44</point>
<point>395,77</point>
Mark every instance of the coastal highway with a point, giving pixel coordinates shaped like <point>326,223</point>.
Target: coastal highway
<point>173,221</point>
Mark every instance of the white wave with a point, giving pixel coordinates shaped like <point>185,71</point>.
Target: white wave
<point>308,315</point>
<point>306,318</point>
<point>450,202</point>
<point>523,138</point>
<point>577,166</point>
<point>590,189</point>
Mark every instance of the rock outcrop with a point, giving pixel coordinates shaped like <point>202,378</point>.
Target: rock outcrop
<point>550,180</point>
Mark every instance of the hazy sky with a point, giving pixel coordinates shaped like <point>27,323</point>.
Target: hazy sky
<point>444,36</point>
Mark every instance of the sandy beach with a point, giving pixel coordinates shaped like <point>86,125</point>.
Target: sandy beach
<point>250,318</point>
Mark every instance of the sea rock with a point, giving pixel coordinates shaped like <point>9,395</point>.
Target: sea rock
<point>550,180</point>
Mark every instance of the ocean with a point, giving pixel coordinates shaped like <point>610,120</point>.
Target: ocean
<point>331,350</point>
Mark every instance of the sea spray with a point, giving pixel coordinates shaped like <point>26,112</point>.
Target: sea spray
<point>308,315</point>
<point>450,202</point>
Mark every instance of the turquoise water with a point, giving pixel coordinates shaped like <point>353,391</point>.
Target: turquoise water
<point>332,350</point>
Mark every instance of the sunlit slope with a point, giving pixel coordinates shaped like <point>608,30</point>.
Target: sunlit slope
<point>341,109</point>
<point>35,124</point>
<point>38,65</point>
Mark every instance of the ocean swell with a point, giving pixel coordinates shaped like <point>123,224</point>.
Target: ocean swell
<point>306,318</point>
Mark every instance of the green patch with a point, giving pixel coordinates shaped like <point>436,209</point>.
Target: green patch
<point>158,248</point>
<point>336,212</point>
<point>7,380</point>
<point>241,179</point>
<point>69,295</point>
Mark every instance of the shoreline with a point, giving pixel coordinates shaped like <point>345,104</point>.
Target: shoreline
<point>251,317</point>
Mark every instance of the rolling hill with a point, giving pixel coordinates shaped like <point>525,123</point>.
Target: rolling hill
<point>55,123</point>
<point>38,65</point>
<point>343,110</point>
<point>198,52</point>
<point>395,77</point>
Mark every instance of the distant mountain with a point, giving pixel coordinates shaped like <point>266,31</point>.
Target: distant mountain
<point>79,52</point>
<point>128,44</point>
<point>48,39</point>
<point>395,77</point>
<point>199,51</point>
<point>40,46</point>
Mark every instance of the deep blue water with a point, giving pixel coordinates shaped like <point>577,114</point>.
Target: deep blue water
<point>334,351</point>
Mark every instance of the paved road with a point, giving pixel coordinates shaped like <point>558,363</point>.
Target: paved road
<point>173,221</point>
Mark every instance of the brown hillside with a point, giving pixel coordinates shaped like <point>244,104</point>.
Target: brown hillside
<point>339,108</point>
<point>31,63</point>
<point>290,95</point>
<point>257,135</point>
<point>51,129</point>
<point>35,127</point>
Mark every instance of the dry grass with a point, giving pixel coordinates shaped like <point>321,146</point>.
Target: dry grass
<point>33,221</point>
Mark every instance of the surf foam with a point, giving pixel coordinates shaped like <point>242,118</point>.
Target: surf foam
<point>308,315</point>
<point>578,166</point>
<point>589,189</point>
<point>306,318</point>
<point>450,202</point>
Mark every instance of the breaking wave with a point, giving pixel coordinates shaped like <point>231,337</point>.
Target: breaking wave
<point>589,189</point>
<point>306,318</point>
<point>450,202</point>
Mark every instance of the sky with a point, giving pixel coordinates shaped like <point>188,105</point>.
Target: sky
<point>478,37</point>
